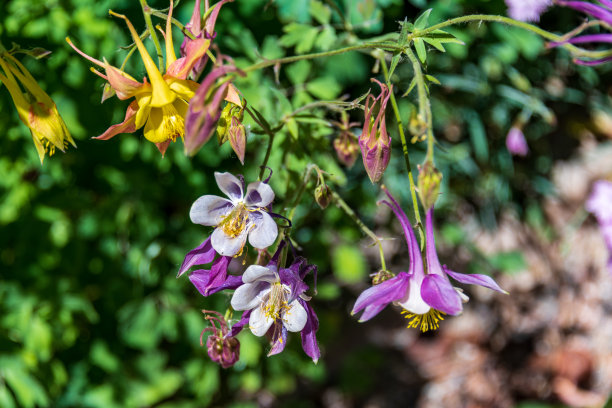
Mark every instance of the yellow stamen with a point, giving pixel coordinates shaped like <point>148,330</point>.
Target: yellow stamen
<point>234,223</point>
<point>277,301</point>
<point>425,322</point>
<point>173,123</point>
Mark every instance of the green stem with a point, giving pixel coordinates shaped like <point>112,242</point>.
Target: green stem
<point>286,60</point>
<point>400,128</point>
<point>146,10</point>
<point>298,197</point>
<point>349,211</point>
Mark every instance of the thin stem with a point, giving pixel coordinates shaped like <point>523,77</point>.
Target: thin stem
<point>286,60</point>
<point>146,10</point>
<point>349,211</point>
<point>298,197</point>
<point>400,128</point>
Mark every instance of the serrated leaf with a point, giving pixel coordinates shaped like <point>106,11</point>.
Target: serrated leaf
<point>419,46</point>
<point>301,36</point>
<point>324,88</point>
<point>320,12</point>
<point>423,19</point>
<point>410,87</point>
<point>326,38</point>
<point>433,79</point>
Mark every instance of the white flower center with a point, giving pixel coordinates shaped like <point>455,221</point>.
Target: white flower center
<point>276,301</point>
<point>235,222</point>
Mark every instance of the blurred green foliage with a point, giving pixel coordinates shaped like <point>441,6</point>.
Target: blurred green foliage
<point>91,313</point>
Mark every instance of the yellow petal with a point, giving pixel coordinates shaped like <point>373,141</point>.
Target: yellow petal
<point>182,87</point>
<point>153,128</point>
<point>162,95</point>
<point>170,55</point>
<point>144,110</point>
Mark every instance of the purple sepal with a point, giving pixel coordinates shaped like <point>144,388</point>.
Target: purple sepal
<point>475,279</point>
<point>214,280</point>
<point>309,337</point>
<point>591,38</point>
<point>290,277</point>
<point>438,293</point>
<point>279,338</point>
<point>201,255</point>
<point>244,321</point>
<point>594,10</point>
<point>592,62</point>
<point>374,299</point>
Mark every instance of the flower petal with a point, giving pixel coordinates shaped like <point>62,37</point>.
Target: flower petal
<point>259,194</point>
<point>210,210</point>
<point>127,126</point>
<point>264,232</point>
<point>249,295</point>
<point>475,279</point>
<point>200,255</point>
<point>230,185</point>
<point>309,337</point>
<point>226,245</point>
<point>237,327</point>
<point>381,295</point>
<point>215,280</point>
<point>294,319</point>
<point>279,339</point>
<point>437,291</point>
<point>259,323</point>
<point>260,273</point>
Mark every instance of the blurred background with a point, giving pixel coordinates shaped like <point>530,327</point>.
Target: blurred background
<point>91,311</point>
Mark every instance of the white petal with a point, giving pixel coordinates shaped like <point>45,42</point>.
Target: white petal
<point>230,185</point>
<point>259,273</point>
<point>295,318</point>
<point>249,295</point>
<point>210,210</point>
<point>464,298</point>
<point>259,323</point>
<point>264,232</point>
<point>259,194</point>
<point>226,245</point>
<point>413,302</point>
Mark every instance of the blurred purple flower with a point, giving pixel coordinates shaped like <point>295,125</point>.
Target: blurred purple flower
<point>222,347</point>
<point>243,215</point>
<point>276,304</point>
<point>425,297</point>
<point>527,10</point>
<point>599,203</point>
<point>516,143</point>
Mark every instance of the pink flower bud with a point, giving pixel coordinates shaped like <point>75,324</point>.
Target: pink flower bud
<point>374,141</point>
<point>516,143</point>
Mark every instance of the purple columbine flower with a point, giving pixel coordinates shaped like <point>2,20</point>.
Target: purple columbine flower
<point>374,141</point>
<point>274,302</point>
<point>516,143</point>
<point>222,347</point>
<point>527,10</point>
<point>243,215</point>
<point>599,203</point>
<point>425,297</point>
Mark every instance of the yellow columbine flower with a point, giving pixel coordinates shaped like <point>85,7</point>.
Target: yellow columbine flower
<point>35,108</point>
<point>161,104</point>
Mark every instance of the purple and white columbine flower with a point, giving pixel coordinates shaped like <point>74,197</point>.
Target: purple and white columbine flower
<point>527,10</point>
<point>516,143</point>
<point>599,203</point>
<point>425,297</point>
<point>274,302</point>
<point>243,215</point>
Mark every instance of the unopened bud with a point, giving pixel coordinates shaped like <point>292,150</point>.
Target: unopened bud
<point>429,184</point>
<point>347,148</point>
<point>382,276</point>
<point>417,127</point>
<point>323,195</point>
<point>237,138</point>
<point>375,142</point>
<point>223,350</point>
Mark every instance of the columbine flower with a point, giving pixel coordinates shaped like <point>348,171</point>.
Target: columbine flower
<point>516,143</point>
<point>242,216</point>
<point>274,302</point>
<point>599,203</point>
<point>161,104</point>
<point>374,140</point>
<point>425,297</point>
<point>34,107</point>
<point>527,10</point>
<point>222,347</point>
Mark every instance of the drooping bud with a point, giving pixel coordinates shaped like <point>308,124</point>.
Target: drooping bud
<point>374,141</point>
<point>516,143</point>
<point>429,184</point>
<point>230,125</point>
<point>237,138</point>
<point>417,127</point>
<point>381,276</point>
<point>323,195</point>
<point>222,347</point>
<point>345,144</point>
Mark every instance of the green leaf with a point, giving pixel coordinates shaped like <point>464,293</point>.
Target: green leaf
<point>326,38</point>
<point>394,61</point>
<point>320,12</point>
<point>410,87</point>
<point>324,88</point>
<point>432,79</point>
<point>419,46</point>
<point>301,36</point>
<point>478,136</point>
<point>298,71</point>
<point>422,21</point>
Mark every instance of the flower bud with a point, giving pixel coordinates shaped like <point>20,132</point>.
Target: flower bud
<point>323,195</point>
<point>417,127</point>
<point>516,143</point>
<point>237,138</point>
<point>374,140</point>
<point>347,148</point>
<point>429,184</point>
<point>381,276</point>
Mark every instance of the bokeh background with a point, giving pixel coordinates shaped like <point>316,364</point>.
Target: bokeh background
<point>91,311</point>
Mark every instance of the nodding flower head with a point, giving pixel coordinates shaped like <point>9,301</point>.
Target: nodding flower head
<point>374,141</point>
<point>425,295</point>
<point>222,347</point>
<point>527,10</point>
<point>34,107</point>
<point>516,143</point>
<point>242,216</point>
